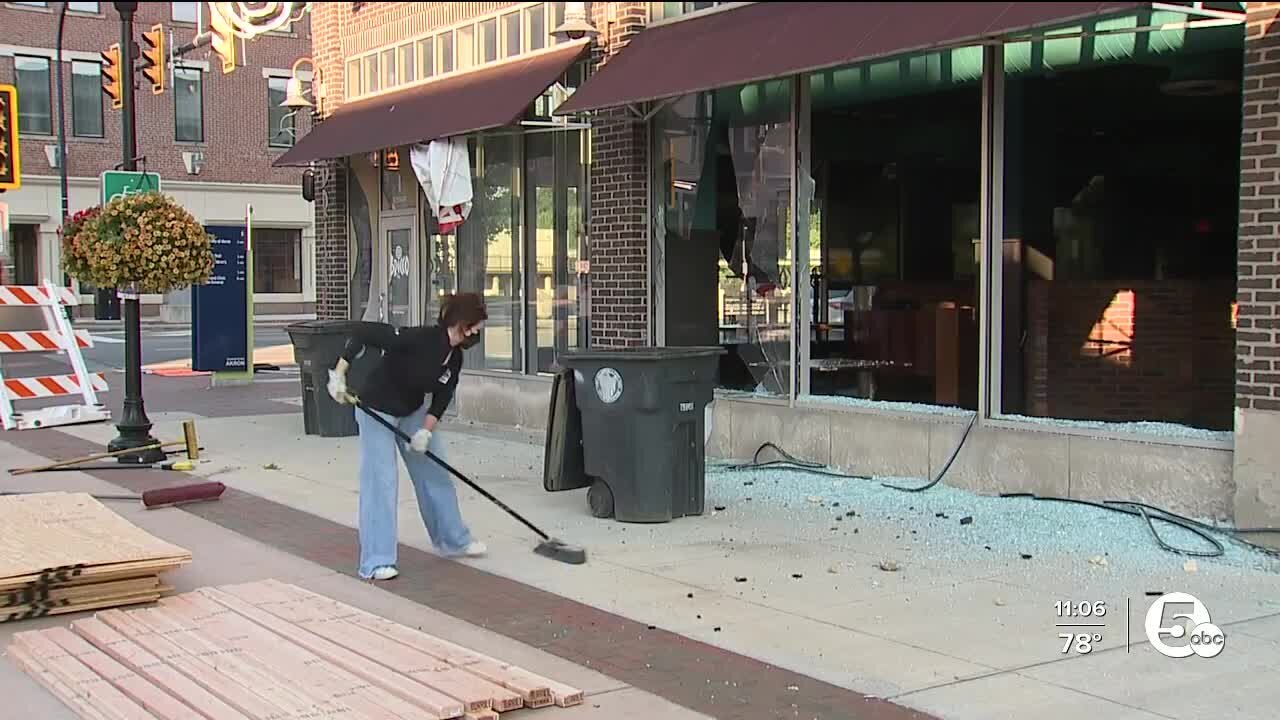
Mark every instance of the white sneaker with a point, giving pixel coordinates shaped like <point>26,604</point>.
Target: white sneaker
<point>474,550</point>
<point>386,572</point>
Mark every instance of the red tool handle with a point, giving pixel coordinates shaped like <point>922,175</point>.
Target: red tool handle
<point>161,497</point>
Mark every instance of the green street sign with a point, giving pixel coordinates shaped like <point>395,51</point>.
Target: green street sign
<point>116,183</point>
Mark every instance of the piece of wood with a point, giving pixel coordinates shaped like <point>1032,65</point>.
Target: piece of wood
<point>96,456</point>
<point>83,681</point>
<point>212,678</point>
<point>428,699</point>
<point>137,688</point>
<point>292,662</point>
<point>305,603</point>
<point>231,659</point>
<point>138,659</point>
<point>79,592</point>
<point>80,706</point>
<point>482,715</point>
<point>35,611</point>
<point>55,537</point>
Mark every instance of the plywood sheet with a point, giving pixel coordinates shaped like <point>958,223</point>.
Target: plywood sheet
<point>55,537</point>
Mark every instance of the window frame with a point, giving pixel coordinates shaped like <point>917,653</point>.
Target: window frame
<point>173,15</point>
<point>277,138</point>
<point>48,78</point>
<point>75,109</point>
<point>199,75</point>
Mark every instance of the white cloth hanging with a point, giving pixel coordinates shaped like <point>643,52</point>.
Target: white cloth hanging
<point>443,168</point>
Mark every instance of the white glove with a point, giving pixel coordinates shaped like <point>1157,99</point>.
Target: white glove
<point>420,440</point>
<point>338,384</point>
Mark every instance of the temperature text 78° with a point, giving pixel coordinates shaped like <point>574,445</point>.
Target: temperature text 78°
<point>1081,643</point>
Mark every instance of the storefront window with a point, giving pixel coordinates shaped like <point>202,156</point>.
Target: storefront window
<point>277,260</point>
<point>555,178</point>
<point>892,277</point>
<point>723,174</point>
<point>362,196</point>
<point>1121,181</point>
<point>488,251</point>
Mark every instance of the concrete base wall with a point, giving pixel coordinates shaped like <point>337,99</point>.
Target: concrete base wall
<point>1188,480</point>
<point>1257,472</point>
<point>514,401</point>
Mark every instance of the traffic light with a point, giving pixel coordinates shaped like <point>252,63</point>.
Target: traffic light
<point>111,75</point>
<point>10,159</point>
<point>153,58</point>
<point>223,40</point>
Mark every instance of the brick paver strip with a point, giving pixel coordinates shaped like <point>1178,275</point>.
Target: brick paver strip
<point>687,672</point>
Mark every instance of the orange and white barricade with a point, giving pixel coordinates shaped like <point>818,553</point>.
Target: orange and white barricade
<point>56,337</point>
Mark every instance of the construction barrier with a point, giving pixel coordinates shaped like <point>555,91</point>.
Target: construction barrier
<point>56,337</point>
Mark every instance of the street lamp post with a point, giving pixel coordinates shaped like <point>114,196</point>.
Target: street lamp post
<point>134,427</point>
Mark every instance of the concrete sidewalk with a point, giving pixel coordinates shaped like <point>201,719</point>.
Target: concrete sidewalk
<point>224,557</point>
<point>799,571</point>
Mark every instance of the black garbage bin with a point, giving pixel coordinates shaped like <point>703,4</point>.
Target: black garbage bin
<point>317,344</point>
<point>640,414</point>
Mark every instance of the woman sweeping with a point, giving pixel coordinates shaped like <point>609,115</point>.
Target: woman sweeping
<point>415,362</point>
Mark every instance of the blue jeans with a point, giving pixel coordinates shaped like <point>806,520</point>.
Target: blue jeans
<point>379,483</point>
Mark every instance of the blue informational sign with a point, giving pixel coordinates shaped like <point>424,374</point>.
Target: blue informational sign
<point>219,308</point>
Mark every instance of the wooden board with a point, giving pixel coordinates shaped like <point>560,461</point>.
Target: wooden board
<point>27,612</point>
<point>57,537</point>
<point>270,651</point>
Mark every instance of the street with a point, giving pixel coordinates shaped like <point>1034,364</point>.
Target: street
<point>163,343</point>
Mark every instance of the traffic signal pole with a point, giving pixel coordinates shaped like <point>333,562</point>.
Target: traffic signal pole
<point>134,427</point>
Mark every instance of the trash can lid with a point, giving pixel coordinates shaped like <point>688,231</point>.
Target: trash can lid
<point>318,327</point>
<point>643,353</point>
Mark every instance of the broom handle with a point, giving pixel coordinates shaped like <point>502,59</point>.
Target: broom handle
<point>406,439</point>
<point>96,456</point>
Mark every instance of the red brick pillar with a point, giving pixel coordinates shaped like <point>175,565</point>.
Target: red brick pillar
<point>1257,455</point>
<point>332,248</point>
<point>619,229</point>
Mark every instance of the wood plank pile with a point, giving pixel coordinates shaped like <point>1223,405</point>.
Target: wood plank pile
<point>66,552</point>
<point>270,651</point>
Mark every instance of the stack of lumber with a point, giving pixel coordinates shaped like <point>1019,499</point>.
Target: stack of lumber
<point>66,552</point>
<point>270,651</point>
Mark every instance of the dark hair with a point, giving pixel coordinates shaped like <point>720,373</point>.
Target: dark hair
<point>465,309</point>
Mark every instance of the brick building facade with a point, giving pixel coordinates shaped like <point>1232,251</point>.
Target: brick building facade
<point>1098,359</point>
<point>229,134</point>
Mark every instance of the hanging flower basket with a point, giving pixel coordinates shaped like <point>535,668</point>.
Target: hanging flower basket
<point>146,242</point>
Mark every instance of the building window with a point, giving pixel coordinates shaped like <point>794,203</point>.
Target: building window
<point>370,84</point>
<point>188,105</point>
<point>281,121</point>
<point>557,19</point>
<point>466,47</point>
<point>408,63</point>
<point>83,7</point>
<point>34,110</point>
<point>1120,261</point>
<point>512,37</point>
<point>86,99</point>
<point>537,20</point>
<point>664,10</point>
<point>426,58</point>
<point>445,42</point>
<point>388,69</point>
<point>277,260</point>
<point>489,41</point>
<point>353,78</point>
<point>188,12</point>
<point>32,4</point>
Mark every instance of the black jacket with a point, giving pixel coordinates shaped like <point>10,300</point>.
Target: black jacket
<point>415,362</point>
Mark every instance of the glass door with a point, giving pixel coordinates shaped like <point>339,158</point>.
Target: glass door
<point>401,268</point>
<point>556,193</point>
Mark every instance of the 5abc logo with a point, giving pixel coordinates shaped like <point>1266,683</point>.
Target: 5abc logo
<point>1181,618</point>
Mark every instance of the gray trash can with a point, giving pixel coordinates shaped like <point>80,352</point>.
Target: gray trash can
<point>642,425</point>
<point>317,344</point>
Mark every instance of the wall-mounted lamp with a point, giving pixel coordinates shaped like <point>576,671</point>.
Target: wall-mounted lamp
<point>576,23</point>
<point>295,95</point>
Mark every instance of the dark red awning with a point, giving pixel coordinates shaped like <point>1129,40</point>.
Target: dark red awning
<point>767,40</point>
<point>465,103</point>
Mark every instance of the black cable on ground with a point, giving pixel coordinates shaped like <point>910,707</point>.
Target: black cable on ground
<point>1149,513</point>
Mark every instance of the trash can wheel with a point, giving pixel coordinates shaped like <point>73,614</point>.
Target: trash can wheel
<point>600,499</point>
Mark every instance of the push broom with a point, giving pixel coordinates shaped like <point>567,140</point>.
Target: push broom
<point>549,547</point>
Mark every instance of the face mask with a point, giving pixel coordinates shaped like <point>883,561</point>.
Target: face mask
<point>470,341</point>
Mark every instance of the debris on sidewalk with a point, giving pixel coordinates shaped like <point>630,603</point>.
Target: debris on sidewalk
<point>275,638</point>
<point>1190,566</point>
<point>67,552</point>
<point>888,566</point>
